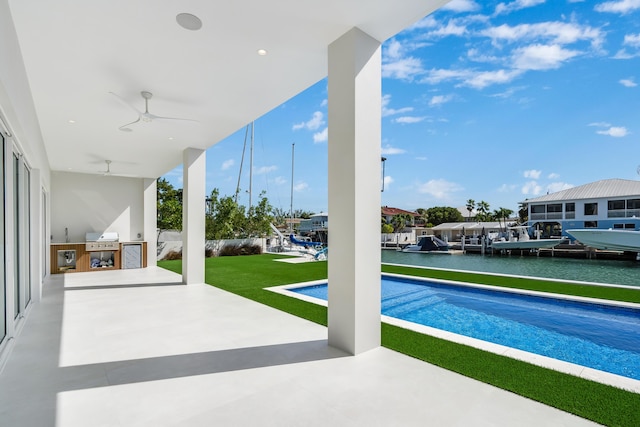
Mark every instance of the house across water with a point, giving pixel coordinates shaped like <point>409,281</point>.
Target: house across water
<point>610,203</point>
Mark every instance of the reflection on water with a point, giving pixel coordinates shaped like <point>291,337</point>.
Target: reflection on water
<point>588,270</point>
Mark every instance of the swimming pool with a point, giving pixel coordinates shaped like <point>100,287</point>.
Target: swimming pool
<point>598,336</point>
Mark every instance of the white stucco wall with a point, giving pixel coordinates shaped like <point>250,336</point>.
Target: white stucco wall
<point>85,203</point>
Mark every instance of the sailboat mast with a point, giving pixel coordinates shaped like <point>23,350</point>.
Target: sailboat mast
<point>293,150</point>
<point>244,148</point>
<point>251,166</point>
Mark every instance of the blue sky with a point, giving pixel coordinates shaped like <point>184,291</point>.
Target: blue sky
<point>494,101</point>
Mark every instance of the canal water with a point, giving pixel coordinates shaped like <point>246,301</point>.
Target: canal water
<point>588,270</point>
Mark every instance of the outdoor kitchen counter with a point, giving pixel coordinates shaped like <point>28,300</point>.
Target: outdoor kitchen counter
<point>74,257</point>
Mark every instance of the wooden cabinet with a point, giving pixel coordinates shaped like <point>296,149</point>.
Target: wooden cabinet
<point>73,257</point>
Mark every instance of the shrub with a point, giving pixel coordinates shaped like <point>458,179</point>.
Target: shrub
<point>173,255</point>
<point>243,249</point>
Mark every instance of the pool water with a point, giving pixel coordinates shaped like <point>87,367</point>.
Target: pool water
<point>597,336</point>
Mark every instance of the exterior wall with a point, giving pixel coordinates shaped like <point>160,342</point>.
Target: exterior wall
<point>22,138</point>
<point>604,221</point>
<point>85,203</point>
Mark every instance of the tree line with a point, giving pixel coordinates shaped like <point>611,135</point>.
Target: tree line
<point>441,214</point>
<point>225,218</point>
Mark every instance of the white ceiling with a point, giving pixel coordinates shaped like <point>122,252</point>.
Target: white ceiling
<point>76,52</point>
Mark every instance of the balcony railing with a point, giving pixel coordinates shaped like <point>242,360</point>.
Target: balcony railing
<point>551,215</point>
<point>623,213</point>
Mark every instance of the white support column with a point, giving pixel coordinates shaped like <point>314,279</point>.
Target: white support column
<point>193,223</point>
<point>36,262</point>
<point>150,219</point>
<point>354,192</point>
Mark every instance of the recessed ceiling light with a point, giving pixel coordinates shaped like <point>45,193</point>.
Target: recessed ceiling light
<point>170,138</point>
<point>189,21</point>
<point>72,121</point>
<point>262,52</point>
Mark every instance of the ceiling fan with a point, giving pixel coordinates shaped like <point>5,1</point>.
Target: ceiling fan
<point>145,116</point>
<point>108,172</point>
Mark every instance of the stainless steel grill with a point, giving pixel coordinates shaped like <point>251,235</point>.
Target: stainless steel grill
<point>108,241</point>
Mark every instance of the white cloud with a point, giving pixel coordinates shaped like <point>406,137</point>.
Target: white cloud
<point>264,169</point>
<point>402,69</point>
<point>386,111</point>
<point>558,186</point>
<point>422,158</point>
<point>533,173</point>
<point>615,131</point>
<point>300,186</point>
<point>387,181</point>
<point>553,175</point>
<point>531,188</point>
<point>313,124</point>
<point>439,100</point>
<point>439,188</point>
<point>507,188</point>
<point>554,32</point>
<point>600,124</point>
<point>451,29</point>
<point>408,120</point>
<point>279,180</point>
<point>541,57</point>
<point>618,6</point>
<point>321,136</point>
<point>461,6</point>
<point>227,164</point>
<point>388,150</point>
<point>632,40</point>
<point>628,82</point>
<point>516,5</point>
<point>394,49</point>
<point>488,78</point>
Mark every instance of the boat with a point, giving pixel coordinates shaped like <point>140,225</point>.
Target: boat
<point>518,238</point>
<point>610,239</point>
<point>430,244</point>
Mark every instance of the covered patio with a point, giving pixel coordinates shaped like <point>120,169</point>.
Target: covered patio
<point>92,354</point>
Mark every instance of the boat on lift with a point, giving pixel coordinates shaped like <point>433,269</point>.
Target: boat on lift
<point>610,239</point>
<point>428,244</point>
<point>518,238</point>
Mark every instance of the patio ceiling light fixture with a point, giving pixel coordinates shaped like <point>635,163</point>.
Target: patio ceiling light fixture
<point>189,21</point>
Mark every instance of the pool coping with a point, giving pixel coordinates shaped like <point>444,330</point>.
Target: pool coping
<point>517,276</point>
<point>574,369</point>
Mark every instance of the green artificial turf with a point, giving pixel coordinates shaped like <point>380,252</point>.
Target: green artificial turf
<point>248,275</point>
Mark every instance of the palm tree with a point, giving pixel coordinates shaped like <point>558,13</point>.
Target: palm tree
<point>400,221</point>
<point>470,205</point>
<point>483,210</point>
<point>502,214</point>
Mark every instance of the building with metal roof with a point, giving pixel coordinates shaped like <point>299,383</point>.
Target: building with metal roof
<point>609,203</point>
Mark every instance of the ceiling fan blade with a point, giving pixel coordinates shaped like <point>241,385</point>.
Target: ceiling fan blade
<point>154,117</point>
<point>124,128</point>
<point>126,103</point>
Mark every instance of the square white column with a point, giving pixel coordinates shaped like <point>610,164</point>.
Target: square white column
<point>354,192</point>
<point>150,219</point>
<point>193,221</point>
<point>39,241</point>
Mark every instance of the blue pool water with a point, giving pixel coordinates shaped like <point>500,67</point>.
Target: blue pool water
<point>597,336</point>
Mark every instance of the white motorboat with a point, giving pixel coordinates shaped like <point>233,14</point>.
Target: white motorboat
<point>518,238</point>
<point>611,239</point>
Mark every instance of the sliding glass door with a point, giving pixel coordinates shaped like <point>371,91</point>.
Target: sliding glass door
<point>3,277</point>
<point>21,234</point>
<point>17,244</point>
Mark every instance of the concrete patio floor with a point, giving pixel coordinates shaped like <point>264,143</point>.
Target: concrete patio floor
<point>137,348</point>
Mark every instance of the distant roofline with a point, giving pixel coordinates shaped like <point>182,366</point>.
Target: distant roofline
<point>595,190</point>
